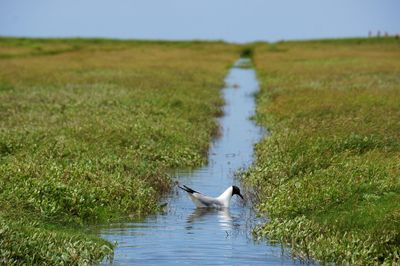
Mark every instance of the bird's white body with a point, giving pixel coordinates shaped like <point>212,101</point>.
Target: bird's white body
<point>202,201</point>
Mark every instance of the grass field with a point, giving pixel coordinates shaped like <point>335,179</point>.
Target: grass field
<point>88,132</point>
<point>328,176</point>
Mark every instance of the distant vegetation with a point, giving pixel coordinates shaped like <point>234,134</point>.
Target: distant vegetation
<point>328,176</point>
<point>247,52</point>
<point>88,132</point>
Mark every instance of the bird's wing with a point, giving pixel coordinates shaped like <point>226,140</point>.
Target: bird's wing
<point>204,201</point>
<point>199,199</point>
<point>198,202</point>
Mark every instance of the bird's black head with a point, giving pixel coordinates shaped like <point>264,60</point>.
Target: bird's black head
<point>236,191</point>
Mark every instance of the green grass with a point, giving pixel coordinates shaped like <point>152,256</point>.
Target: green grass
<point>31,243</point>
<point>88,132</point>
<point>328,175</point>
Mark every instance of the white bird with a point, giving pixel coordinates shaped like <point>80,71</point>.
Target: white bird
<point>203,201</point>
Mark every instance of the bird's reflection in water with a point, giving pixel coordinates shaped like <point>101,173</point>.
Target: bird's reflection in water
<point>202,215</point>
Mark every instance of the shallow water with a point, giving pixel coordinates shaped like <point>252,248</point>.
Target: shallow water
<point>184,235</point>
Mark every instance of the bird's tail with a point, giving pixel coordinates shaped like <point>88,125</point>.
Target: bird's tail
<point>188,189</point>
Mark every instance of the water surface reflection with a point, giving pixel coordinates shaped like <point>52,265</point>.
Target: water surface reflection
<point>200,215</point>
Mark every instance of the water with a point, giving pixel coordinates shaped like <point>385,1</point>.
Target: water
<point>184,235</point>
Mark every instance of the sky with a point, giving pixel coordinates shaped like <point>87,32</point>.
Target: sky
<point>229,20</point>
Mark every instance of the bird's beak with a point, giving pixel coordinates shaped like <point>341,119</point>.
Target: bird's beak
<point>240,195</point>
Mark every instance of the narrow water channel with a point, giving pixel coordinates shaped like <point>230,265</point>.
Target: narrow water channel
<point>184,235</point>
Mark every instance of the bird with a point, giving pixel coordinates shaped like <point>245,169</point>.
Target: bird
<point>203,201</point>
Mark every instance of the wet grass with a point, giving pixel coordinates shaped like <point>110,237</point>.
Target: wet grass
<point>88,132</point>
<point>328,175</point>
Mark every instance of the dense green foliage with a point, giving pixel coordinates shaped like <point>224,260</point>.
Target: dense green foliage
<point>88,132</point>
<point>32,244</point>
<point>328,176</point>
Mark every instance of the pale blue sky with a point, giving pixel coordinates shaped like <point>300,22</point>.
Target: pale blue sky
<point>230,20</point>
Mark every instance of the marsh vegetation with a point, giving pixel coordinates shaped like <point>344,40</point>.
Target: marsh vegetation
<point>328,174</point>
<point>88,132</point>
